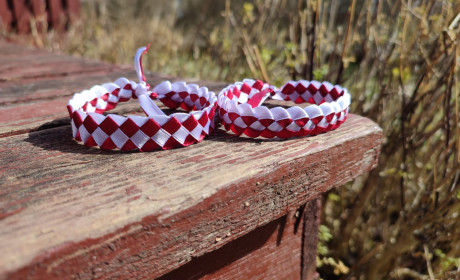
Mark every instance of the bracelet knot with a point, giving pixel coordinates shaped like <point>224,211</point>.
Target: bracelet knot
<point>141,88</point>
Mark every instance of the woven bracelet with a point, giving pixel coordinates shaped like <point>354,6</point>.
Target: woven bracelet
<point>240,111</point>
<point>157,130</point>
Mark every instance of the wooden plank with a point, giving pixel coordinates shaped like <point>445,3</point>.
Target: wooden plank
<point>21,15</point>
<point>39,97</point>
<point>40,16</point>
<point>57,15</point>
<point>23,67</point>
<point>73,10</point>
<point>9,49</point>
<point>70,210</point>
<point>272,251</point>
<point>47,65</point>
<point>59,85</point>
<point>6,16</point>
<point>311,222</point>
<point>26,118</point>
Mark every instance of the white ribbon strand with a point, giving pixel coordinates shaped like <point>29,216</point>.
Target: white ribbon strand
<point>142,90</point>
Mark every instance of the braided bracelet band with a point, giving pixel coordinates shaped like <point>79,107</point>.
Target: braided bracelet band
<point>240,111</point>
<point>137,132</point>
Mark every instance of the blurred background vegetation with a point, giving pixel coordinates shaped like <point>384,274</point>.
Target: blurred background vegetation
<point>399,60</point>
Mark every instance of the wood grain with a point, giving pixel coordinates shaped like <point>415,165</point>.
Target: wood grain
<point>21,16</point>
<point>30,66</point>
<point>63,203</point>
<point>73,10</point>
<point>272,251</point>
<point>6,16</point>
<point>39,13</point>
<point>57,15</point>
<point>310,239</point>
<point>68,211</point>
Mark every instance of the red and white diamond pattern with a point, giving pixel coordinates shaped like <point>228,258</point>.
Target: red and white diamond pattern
<point>240,111</point>
<point>137,132</point>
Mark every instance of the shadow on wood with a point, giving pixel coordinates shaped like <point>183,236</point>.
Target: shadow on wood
<point>256,255</point>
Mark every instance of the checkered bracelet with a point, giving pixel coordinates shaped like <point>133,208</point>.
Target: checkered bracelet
<point>157,130</point>
<point>239,108</point>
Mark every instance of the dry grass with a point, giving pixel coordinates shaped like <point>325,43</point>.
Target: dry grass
<point>399,59</point>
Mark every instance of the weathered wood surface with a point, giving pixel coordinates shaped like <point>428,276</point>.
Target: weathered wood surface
<point>310,239</point>
<point>20,14</point>
<point>272,251</point>
<point>6,15</point>
<point>68,210</point>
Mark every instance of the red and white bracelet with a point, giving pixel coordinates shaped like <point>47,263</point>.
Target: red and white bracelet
<point>157,130</point>
<point>240,111</point>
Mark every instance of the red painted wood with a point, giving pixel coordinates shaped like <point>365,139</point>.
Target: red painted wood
<point>311,222</point>
<point>6,17</point>
<point>73,10</point>
<point>68,211</point>
<point>27,66</point>
<point>39,13</point>
<point>272,251</point>
<point>57,15</point>
<point>58,86</point>
<point>134,215</point>
<point>21,16</point>
<point>54,13</point>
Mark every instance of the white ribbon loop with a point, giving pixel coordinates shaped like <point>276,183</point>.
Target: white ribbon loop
<point>138,62</point>
<point>142,90</point>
